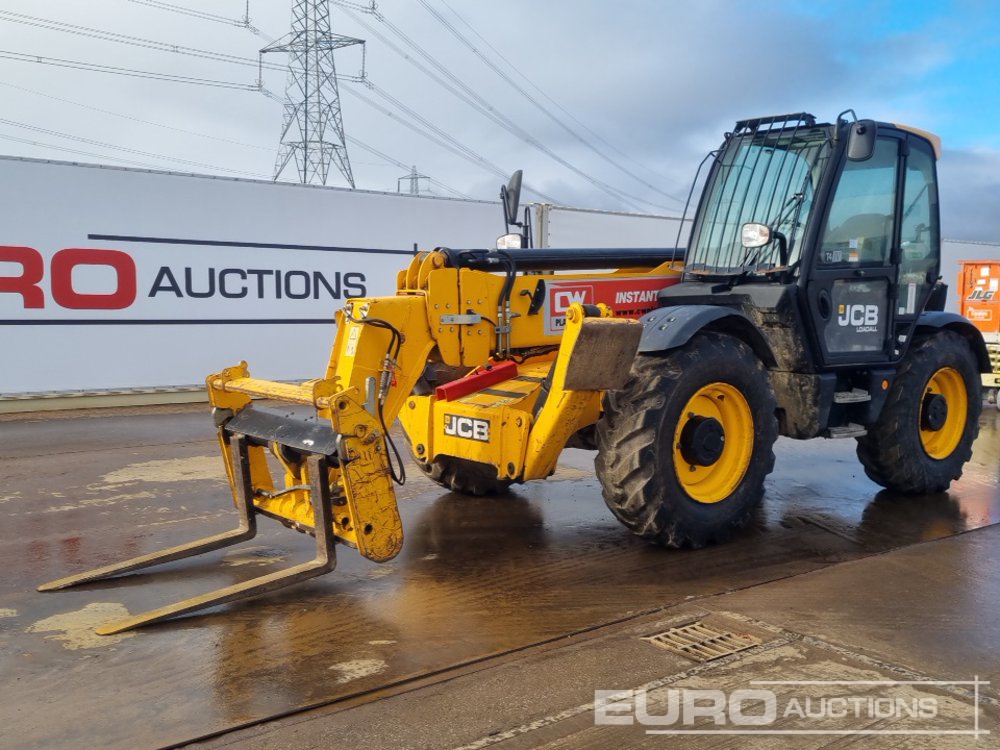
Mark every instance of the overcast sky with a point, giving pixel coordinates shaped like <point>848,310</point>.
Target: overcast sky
<point>634,92</point>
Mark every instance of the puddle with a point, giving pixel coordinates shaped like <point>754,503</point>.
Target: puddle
<point>358,668</point>
<point>255,556</point>
<point>75,630</point>
<point>198,468</point>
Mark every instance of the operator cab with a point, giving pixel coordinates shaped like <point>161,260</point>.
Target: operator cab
<point>828,228</point>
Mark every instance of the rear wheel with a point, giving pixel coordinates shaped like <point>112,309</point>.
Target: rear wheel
<point>924,435</point>
<point>684,448</point>
<point>455,474</point>
<point>463,476</point>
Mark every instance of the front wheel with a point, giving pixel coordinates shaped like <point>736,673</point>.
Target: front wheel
<point>685,446</point>
<point>923,437</point>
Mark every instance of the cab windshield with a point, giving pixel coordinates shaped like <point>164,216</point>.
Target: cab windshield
<point>765,177</point>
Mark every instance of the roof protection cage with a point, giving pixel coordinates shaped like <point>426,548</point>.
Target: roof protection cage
<point>760,176</point>
<point>799,118</point>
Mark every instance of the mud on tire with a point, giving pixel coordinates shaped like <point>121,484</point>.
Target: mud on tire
<point>637,450</point>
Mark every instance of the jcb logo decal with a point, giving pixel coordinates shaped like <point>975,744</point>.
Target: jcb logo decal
<point>858,316</point>
<point>467,427</point>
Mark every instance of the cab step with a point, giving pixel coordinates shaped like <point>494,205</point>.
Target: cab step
<point>848,430</point>
<point>853,396</point>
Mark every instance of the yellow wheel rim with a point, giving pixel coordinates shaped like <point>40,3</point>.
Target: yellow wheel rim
<point>725,404</point>
<point>949,384</point>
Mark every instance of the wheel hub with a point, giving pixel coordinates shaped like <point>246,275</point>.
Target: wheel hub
<point>934,413</point>
<point>702,440</point>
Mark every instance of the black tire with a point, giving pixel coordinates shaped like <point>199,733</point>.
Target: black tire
<point>463,476</point>
<point>893,452</point>
<point>636,442</point>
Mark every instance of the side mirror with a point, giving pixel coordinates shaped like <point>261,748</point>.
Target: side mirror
<point>861,142</point>
<point>511,197</point>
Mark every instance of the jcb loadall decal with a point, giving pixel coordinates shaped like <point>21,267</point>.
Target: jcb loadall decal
<point>862,318</point>
<point>859,313</point>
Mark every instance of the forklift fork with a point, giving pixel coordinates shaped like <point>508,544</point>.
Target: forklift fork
<point>324,561</point>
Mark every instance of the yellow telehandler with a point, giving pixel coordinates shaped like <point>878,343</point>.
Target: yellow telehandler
<point>808,305</point>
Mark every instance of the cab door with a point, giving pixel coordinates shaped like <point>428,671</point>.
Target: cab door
<point>919,248</point>
<point>853,279</point>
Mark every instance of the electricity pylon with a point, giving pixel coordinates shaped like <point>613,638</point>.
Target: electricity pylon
<point>312,132</point>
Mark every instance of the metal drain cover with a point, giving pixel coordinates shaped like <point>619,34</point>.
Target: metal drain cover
<point>702,643</point>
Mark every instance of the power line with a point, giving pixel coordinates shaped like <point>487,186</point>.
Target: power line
<point>436,135</point>
<point>552,101</point>
<point>355,141</point>
<point>486,108</point>
<point>178,49</point>
<point>137,152</point>
<point>440,137</point>
<point>131,40</point>
<point>430,74</point>
<point>96,67</point>
<point>66,149</point>
<point>443,139</point>
<point>243,23</point>
<point>135,119</point>
<point>533,100</point>
<point>372,150</point>
<point>188,11</point>
<point>109,36</point>
<point>455,145</point>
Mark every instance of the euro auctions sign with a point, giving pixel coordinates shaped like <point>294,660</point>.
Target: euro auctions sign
<point>153,311</point>
<point>117,278</point>
<point>139,286</point>
<point>27,282</point>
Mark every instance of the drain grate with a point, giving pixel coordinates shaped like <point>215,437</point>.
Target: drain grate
<point>702,643</point>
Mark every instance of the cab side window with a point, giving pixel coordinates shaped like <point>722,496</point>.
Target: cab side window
<point>860,223</point>
<point>918,263</point>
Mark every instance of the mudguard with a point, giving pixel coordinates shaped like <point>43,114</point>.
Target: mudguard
<point>670,327</point>
<point>934,320</point>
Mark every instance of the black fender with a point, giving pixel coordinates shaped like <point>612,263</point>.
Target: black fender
<point>670,327</point>
<point>933,321</point>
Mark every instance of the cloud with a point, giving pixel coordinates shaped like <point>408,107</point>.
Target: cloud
<point>970,187</point>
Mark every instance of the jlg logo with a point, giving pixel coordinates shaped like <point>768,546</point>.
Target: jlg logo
<point>32,271</point>
<point>467,427</point>
<point>982,294</point>
<point>858,315</point>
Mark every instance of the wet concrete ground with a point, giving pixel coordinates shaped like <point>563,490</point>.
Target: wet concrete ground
<point>478,580</point>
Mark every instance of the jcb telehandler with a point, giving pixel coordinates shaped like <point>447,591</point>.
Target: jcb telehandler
<point>808,306</point>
